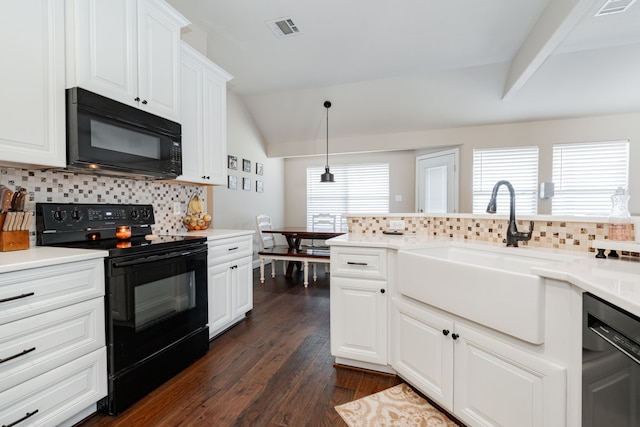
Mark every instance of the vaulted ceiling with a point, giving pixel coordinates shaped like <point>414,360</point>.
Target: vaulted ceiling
<point>414,65</point>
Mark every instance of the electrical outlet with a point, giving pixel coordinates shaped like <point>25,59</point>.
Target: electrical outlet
<point>176,208</point>
<point>396,224</point>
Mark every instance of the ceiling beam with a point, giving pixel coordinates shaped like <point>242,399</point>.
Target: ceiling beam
<point>557,20</point>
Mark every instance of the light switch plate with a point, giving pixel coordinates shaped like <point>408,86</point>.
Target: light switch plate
<point>176,208</point>
<point>396,224</point>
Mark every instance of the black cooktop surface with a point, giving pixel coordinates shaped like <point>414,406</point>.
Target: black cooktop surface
<point>137,244</point>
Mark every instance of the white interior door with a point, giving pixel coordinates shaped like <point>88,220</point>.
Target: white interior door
<point>437,182</point>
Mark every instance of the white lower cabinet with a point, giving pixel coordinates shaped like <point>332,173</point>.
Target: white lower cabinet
<point>482,380</point>
<point>53,359</point>
<point>53,397</point>
<point>359,320</point>
<point>230,285</point>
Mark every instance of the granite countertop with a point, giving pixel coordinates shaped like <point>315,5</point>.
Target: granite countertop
<point>43,256</point>
<point>614,280</point>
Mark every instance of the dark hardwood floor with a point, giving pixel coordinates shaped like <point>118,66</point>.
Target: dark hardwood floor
<point>272,369</point>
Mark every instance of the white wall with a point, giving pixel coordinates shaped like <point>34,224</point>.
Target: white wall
<point>542,133</point>
<point>237,209</point>
<point>401,177</point>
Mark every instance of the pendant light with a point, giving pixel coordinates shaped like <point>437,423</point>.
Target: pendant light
<point>327,176</point>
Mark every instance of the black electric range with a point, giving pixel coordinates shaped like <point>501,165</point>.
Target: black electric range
<point>93,226</point>
<point>156,299</point>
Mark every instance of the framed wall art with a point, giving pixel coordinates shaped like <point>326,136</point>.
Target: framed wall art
<point>246,184</point>
<point>232,162</point>
<point>246,165</point>
<point>232,182</point>
<point>259,168</point>
<point>259,186</point>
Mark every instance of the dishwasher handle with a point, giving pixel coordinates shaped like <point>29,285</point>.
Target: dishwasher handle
<point>614,337</point>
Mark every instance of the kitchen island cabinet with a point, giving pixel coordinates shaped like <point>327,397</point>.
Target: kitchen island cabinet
<point>126,50</point>
<point>359,306</point>
<point>203,111</point>
<point>52,335</point>
<point>32,84</point>
<point>479,374</point>
<point>476,376</point>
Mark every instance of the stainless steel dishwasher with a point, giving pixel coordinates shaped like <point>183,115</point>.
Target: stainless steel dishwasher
<point>610,365</point>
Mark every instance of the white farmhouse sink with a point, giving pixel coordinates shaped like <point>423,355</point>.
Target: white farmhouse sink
<point>486,284</point>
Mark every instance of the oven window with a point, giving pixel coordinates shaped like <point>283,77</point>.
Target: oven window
<point>122,140</point>
<point>159,300</point>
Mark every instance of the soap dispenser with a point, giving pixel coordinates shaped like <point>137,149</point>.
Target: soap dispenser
<point>620,227</point>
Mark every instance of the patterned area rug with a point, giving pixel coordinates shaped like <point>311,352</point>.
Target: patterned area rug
<point>397,406</point>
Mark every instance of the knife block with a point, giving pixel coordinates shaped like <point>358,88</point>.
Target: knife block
<point>13,240</point>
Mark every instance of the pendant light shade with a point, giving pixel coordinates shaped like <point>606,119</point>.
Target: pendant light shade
<point>327,176</point>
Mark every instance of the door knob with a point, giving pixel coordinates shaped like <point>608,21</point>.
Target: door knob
<point>445,332</point>
<point>455,336</point>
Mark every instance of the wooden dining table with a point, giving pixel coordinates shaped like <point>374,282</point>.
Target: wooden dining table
<point>295,235</point>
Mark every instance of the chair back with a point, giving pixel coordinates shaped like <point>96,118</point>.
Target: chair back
<point>323,222</point>
<point>263,222</point>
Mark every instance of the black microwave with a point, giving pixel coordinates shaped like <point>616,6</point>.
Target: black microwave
<point>108,137</point>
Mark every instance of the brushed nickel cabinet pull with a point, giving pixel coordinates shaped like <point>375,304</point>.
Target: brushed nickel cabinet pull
<point>17,355</point>
<point>17,297</point>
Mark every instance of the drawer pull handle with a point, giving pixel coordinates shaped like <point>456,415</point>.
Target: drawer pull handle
<point>233,249</point>
<point>356,263</point>
<point>17,297</point>
<point>29,415</point>
<point>17,355</point>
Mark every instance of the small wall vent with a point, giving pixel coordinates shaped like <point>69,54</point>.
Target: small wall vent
<point>283,27</point>
<point>614,6</point>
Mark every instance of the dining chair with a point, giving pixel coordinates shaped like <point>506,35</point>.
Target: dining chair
<point>269,250</point>
<point>322,222</point>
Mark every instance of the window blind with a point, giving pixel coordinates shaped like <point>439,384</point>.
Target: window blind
<point>586,175</point>
<point>358,188</point>
<point>518,165</point>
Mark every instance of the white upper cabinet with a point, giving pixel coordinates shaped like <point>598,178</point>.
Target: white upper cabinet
<point>127,50</point>
<point>203,109</point>
<point>32,120</point>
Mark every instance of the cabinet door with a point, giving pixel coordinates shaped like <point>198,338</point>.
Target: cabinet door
<point>204,119</point>
<point>422,350</point>
<point>102,48</point>
<point>498,385</point>
<point>219,290</point>
<point>242,285</point>
<point>359,319</point>
<point>215,125</point>
<point>159,58</point>
<point>32,118</point>
<point>191,116</point>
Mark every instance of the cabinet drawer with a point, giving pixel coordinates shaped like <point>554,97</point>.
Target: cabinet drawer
<point>58,394</point>
<point>29,292</point>
<point>228,249</point>
<point>38,344</point>
<point>362,263</point>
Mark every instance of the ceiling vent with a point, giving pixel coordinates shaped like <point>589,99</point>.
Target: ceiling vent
<point>614,6</point>
<point>283,27</point>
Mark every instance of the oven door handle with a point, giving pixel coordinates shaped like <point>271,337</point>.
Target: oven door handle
<point>153,258</point>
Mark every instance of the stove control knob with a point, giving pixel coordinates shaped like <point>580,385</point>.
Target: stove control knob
<point>58,215</point>
<point>146,213</point>
<point>75,215</point>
